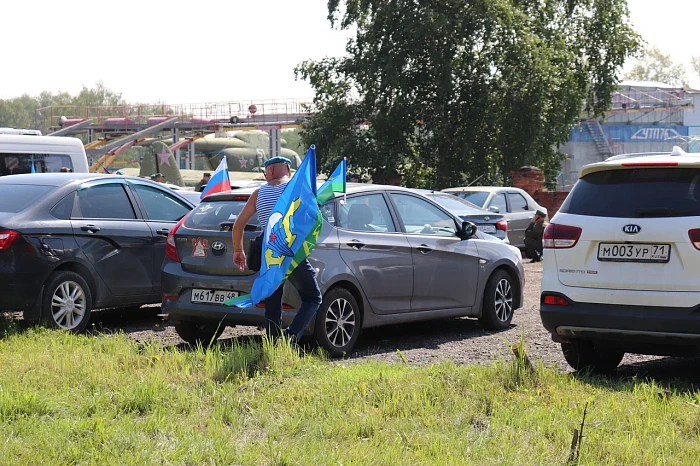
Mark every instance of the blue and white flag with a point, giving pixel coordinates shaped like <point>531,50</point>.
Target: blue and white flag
<point>292,231</point>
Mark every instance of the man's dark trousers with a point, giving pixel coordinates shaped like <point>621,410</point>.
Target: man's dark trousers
<point>303,278</point>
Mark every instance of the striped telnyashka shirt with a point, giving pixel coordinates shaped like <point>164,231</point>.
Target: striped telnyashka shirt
<point>267,197</point>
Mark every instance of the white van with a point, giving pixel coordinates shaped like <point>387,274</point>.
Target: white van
<point>41,154</point>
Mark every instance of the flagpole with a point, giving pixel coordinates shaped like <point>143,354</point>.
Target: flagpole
<point>345,191</point>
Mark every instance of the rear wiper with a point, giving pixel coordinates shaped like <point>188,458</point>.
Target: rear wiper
<point>227,226</point>
<point>662,212</point>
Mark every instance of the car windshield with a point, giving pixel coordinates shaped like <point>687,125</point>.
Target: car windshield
<point>17,197</point>
<point>218,215</point>
<point>477,198</point>
<point>636,193</point>
<point>456,204</point>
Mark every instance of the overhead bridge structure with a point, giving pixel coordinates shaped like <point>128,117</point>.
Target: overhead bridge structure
<point>110,130</point>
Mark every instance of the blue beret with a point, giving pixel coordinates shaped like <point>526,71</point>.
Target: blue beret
<point>278,159</point>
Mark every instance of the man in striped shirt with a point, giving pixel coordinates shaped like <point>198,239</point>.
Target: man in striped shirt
<point>303,278</point>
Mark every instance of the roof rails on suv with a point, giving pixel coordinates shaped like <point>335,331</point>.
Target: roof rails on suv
<point>677,151</point>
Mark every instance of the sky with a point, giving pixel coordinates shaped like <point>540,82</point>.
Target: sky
<point>211,51</point>
<point>670,26</point>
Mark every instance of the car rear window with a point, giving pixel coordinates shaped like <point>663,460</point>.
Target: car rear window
<point>217,215</point>
<point>17,197</point>
<point>475,197</point>
<point>636,193</point>
<point>455,204</point>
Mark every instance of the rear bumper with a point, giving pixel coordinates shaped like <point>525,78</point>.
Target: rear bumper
<point>176,281</point>
<point>18,292</point>
<point>622,324</point>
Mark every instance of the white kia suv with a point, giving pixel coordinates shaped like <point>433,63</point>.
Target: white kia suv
<point>622,261</point>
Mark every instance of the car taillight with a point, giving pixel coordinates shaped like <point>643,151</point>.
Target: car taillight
<point>170,245</point>
<point>558,236</point>
<point>7,237</point>
<point>554,300</point>
<point>693,234</point>
<point>166,297</point>
<point>502,225</point>
<point>650,164</point>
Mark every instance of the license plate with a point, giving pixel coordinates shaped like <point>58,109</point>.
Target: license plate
<point>212,296</point>
<point>615,252</point>
<point>486,228</point>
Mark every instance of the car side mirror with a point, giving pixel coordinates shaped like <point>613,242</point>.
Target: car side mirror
<point>495,209</point>
<point>468,230</point>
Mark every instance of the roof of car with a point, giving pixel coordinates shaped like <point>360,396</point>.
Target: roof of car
<point>60,179</point>
<point>476,188</point>
<point>350,188</point>
<point>39,140</point>
<point>675,158</point>
<point>53,179</point>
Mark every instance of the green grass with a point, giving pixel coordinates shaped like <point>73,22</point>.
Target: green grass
<point>77,399</point>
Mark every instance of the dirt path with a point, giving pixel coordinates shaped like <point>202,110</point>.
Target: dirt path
<point>461,340</point>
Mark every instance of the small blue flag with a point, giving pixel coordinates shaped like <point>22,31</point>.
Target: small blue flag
<point>33,170</point>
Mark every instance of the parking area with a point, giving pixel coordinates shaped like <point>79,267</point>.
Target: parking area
<point>459,340</point>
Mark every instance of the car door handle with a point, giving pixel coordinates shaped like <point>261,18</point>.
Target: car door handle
<point>356,244</point>
<point>90,228</point>
<point>424,248</point>
<point>163,232</point>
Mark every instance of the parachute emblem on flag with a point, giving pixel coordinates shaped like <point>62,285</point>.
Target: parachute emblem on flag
<point>279,236</point>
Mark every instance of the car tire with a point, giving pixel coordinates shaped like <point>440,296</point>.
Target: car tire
<point>584,355</point>
<point>67,301</point>
<point>199,333</point>
<point>498,306</point>
<point>338,322</point>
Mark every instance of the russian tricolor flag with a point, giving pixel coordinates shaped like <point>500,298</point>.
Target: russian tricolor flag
<point>219,181</point>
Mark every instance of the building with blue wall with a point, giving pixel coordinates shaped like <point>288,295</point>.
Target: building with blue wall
<point>645,117</point>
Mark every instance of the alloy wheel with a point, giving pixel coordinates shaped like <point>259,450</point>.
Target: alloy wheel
<point>503,300</point>
<point>68,305</point>
<point>340,322</point>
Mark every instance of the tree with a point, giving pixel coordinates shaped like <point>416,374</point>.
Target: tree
<point>19,112</point>
<point>293,141</point>
<point>654,65</point>
<point>695,63</point>
<point>449,91</point>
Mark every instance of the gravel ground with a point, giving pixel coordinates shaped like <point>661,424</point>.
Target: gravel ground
<point>460,340</point>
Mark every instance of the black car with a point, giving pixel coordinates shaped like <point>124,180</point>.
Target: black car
<point>74,242</point>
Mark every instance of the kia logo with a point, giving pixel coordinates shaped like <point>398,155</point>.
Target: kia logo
<point>218,248</point>
<point>631,229</point>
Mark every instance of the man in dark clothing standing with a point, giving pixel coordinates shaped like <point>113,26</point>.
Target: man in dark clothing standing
<point>533,237</point>
<point>202,183</point>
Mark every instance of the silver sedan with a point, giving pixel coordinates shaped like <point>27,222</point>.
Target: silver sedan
<point>386,255</point>
<point>516,205</point>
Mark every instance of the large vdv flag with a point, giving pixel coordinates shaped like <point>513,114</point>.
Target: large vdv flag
<point>292,231</point>
<point>334,184</point>
<point>219,181</point>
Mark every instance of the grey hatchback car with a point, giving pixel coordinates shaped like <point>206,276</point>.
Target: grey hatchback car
<point>386,255</point>
<point>516,205</point>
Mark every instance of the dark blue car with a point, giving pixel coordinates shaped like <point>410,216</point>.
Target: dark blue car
<point>71,243</point>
